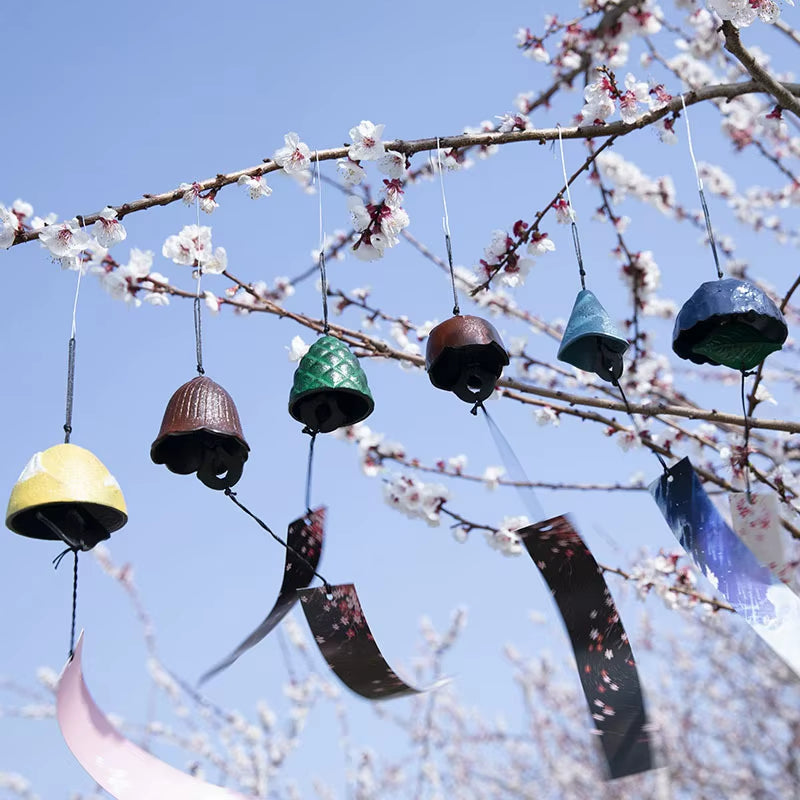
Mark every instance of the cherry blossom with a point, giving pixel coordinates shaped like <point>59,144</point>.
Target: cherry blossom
<point>191,191</point>
<point>367,144</point>
<point>255,185</point>
<point>108,230</point>
<point>192,247</point>
<point>208,204</point>
<point>635,92</point>
<point>66,240</point>
<point>599,101</point>
<point>9,225</point>
<point>392,164</point>
<point>351,172</point>
<point>297,349</point>
<point>414,498</point>
<point>294,156</point>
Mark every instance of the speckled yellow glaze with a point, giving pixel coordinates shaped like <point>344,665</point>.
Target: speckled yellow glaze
<point>64,473</point>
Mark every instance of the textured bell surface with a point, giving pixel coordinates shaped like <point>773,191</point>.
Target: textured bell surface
<point>201,433</point>
<point>330,388</point>
<point>66,493</point>
<point>591,341</point>
<point>465,355</point>
<point>728,322</point>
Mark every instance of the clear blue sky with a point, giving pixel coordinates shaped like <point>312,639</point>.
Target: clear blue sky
<point>109,101</point>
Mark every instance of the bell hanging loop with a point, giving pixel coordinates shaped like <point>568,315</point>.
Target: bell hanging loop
<point>201,433</point>
<point>465,355</point>
<point>591,341</point>
<point>330,389</point>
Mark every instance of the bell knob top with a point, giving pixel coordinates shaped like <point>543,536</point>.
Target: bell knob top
<point>465,355</point>
<point>201,432</point>
<point>729,322</point>
<point>330,388</point>
<point>591,341</point>
<point>66,493</point>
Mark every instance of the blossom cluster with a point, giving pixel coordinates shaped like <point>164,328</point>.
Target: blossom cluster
<point>415,498</point>
<point>501,256</point>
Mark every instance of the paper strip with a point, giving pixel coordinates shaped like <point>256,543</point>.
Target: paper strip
<point>758,525</point>
<point>770,608</point>
<point>345,641</point>
<point>605,661</point>
<point>305,536</point>
<point>124,770</point>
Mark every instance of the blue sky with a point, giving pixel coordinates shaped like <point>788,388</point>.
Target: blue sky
<point>123,99</point>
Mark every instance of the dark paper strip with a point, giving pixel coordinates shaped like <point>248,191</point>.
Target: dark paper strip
<point>305,536</point>
<point>605,661</point>
<point>770,607</point>
<point>346,643</point>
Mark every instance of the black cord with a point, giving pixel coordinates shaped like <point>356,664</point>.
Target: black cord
<point>70,390</point>
<point>636,426</point>
<point>57,563</point>
<point>449,246</point>
<point>277,538</point>
<point>198,334</point>
<point>710,233</point>
<point>323,276</point>
<point>577,242</point>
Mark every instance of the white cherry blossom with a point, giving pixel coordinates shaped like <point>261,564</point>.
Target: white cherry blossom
<point>9,225</point>
<point>294,156</point>
<point>392,164</point>
<point>66,240</point>
<point>255,185</point>
<point>352,173</point>
<point>367,144</point>
<point>108,230</point>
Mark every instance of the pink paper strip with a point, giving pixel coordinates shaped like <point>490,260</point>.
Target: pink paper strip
<point>124,770</point>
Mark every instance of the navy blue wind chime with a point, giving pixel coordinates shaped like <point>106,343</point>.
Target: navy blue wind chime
<point>66,494</point>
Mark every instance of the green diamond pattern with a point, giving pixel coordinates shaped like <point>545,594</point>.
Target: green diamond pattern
<point>329,364</point>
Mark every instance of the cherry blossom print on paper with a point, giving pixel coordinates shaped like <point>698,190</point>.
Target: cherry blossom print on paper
<point>757,522</point>
<point>768,606</point>
<point>305,536</point>
<point>346,643</point>
<point>603,654</point>
<point>115,763</point>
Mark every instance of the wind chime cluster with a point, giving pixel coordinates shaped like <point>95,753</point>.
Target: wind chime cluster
<point>66,494</point>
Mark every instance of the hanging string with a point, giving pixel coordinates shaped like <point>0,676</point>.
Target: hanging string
<point>516,472</point>
<point>309,468</point>
<point>323,276</point>
<point>573,225</point>
<point>56,564</point>
<point>71,361</point>
<point>746,441</point>
<point>700,190</point>
<point>198,311</point>
<point>446,229</point>
<point>636,427</point>
<point>232,495</point>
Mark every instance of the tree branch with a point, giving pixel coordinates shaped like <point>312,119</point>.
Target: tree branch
<point>733,44</point>
<point>409,148</point>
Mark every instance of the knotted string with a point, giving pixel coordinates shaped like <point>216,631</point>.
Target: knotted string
<point>232,495</point>
<point>700,190</point>
<point>573,225</point>
<point>746,440</point>
<point>56,563</point>
<point>71,361</point>
<point>446,229</point>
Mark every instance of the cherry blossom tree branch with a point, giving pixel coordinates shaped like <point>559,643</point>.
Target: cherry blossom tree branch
<point>409,148</point>
<point>733,44</point>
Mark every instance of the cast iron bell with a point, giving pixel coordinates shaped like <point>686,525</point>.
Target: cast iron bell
<point>201,433</point>
<point>330,389</point>
<point>728,322</point>
<point>591,341</point>
<point>66,494</point>
<point>465,355</point>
